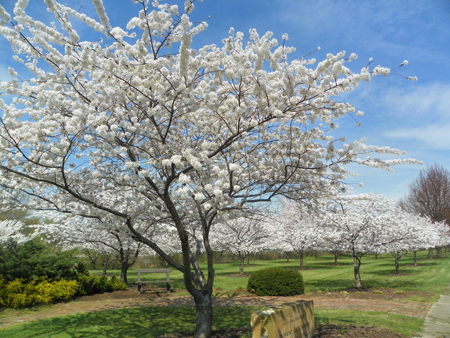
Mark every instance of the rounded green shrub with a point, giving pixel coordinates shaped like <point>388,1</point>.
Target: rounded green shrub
<point>276,282</point>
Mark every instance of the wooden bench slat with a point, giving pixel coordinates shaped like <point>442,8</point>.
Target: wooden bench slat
<point>140,282</point>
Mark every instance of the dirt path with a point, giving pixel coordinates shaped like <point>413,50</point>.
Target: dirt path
<point>119,301</point>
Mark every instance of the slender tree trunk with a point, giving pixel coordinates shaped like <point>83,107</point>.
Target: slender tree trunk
<point>106,258</point>
<point>376,255</point>
<point>397,256</point>
<point>301,259</point>
<point>241,265</point>
<point>316,254</point>
<point>336,256</point>
<point>415,257</point>
<point>356,266</point>
<point>287,257</point>
<point>248,259</point>
<point>430,253</point>
<point>123,271</point>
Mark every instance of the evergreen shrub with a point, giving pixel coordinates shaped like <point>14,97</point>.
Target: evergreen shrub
<point>33,260</point>
<point>276,282</point>
<point>93,284</point>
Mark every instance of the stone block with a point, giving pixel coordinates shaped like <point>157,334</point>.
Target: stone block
<point>287,321</point>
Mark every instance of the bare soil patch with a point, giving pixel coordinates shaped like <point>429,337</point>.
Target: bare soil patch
<point>373,293</point>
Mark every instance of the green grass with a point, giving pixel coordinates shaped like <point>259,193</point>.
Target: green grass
<point>403,325</point>
<point>135,322</point>
<point>321,275</point>
<point>157,321</point>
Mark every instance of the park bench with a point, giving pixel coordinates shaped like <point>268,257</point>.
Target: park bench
<point>141,282</point>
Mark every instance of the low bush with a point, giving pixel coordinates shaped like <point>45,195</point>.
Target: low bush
<point>19,293</point>
<point>93,284</point>
<point>276,282</point>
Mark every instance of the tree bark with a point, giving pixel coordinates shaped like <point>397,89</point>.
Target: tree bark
<point>123,271</point>
<point>415,257</point>
<point>430,253</point>
<point>203,308</point>
<point>356,266</point>
<point>397,256</point>
<point>241,265</point>
<point>301,259</point>
<point>336,256</point>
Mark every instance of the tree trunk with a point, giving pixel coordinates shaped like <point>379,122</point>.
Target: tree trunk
<point>430,253</point>
<point>438,252</point>
<point>356,266</point>
<point>376,255</point>
<point>123,272</point>
<point>287,257</point>
<point>397,256</point>
<point>301,260</point>
<point>415,257</point>
<point>336,256</point>
<point>106,258</point>
<point>203,307</point>
<point>316,254</point>
<point>241,265</point>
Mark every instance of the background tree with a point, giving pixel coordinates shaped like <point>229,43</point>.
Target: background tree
<point>297,230</point>
<point>242,237</point>
<point>429,195</point>
<point>92,234</point>
<point>136,125</point>
<point>362,224</point>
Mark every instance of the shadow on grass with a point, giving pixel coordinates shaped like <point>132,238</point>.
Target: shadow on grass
<point>135,322</point>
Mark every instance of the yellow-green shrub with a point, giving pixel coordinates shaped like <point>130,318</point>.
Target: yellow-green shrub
<point>17,294</point>
<point>59,290</point>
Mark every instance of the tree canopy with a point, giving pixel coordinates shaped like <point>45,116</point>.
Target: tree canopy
<point>141,128</point>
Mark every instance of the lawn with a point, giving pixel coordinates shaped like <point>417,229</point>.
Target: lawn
<point>320,275</point>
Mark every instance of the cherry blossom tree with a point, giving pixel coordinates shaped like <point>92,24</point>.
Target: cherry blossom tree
<point>362,224</point>
<point>166,132</point>
<point>92,234</point>
<point>242,237</point>
<point>408,232</point>
<point>443,231</point>
<point>11,230</point>
<point>298,230</point>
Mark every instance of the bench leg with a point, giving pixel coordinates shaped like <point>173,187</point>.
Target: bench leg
<point>168,287</point>
<point>139,288</point>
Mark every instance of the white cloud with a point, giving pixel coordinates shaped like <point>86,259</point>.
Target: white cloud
<point>432,101</point>
<point>434,136</point>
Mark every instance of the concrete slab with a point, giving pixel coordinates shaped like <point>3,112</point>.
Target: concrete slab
<point>437,320</point>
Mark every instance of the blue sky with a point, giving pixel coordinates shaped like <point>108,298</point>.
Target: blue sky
<point>412,116</point>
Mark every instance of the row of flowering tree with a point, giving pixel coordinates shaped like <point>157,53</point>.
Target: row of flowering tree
<point>132,125</point>
<point>359,225</point>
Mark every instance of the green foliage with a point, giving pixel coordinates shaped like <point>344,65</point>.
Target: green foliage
<point>19,294</point>
<point>276,282</point>
<point>117,284</point>
<point>34,259</point>
<point>93,284</point>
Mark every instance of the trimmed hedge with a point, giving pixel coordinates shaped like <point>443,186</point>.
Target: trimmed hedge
<point>276,282</point>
